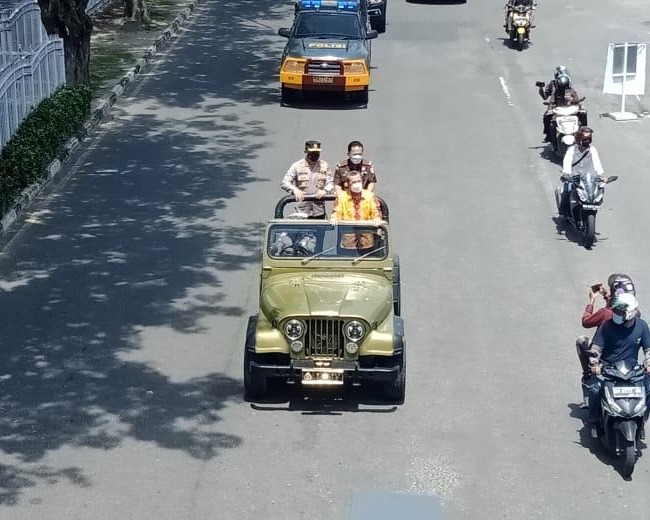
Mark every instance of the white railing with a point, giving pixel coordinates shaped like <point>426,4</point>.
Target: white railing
<point>25,82</point>
<point>32,65</point>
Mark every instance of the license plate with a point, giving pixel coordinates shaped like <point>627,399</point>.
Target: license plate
<point>323,79</point>
<point>627,391</point>
<point>322,377</point>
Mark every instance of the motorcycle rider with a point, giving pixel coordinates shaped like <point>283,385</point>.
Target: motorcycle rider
<point>616,284</point>
<point>579,158</point>
<point>617,339</point>
<point>309,176</point>
<point>355,163</point>
<point>559,92</point>
<point>511,5</point>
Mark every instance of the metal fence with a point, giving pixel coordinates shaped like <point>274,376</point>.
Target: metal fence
<point>32,66</point>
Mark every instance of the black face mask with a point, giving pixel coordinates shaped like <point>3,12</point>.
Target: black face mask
<point>313,156</point>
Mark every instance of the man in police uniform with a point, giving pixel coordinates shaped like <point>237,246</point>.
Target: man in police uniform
<point>309,176</point>
<point>355,163</point>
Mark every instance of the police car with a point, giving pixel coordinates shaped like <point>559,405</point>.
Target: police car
<point>328,49</point>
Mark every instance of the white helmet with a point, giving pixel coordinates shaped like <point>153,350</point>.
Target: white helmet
<point>625,305</point>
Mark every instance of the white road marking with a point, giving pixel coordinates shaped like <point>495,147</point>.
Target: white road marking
<point>487,40</point>
<point>504,87</point>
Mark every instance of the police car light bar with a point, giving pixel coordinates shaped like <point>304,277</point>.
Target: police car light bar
<point>351,5</point>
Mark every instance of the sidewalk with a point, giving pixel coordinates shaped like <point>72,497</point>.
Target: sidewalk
<point>115,46</point>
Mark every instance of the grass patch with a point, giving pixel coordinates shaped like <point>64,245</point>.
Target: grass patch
<point>164,11</point>
<point>108,63</point>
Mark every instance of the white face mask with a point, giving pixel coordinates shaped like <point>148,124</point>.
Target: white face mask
<point>619,320</point>
<point>356,158</point>
<point>355,187</point>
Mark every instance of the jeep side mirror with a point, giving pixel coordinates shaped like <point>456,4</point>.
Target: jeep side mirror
<point>611,178</point>
<point>284,32</point>
<point>371,35</point>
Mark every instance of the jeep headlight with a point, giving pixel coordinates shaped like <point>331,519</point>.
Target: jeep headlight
<point>294,329</point>
<point>293,66</point>
<point>354,68</point>
<point>354,330</point>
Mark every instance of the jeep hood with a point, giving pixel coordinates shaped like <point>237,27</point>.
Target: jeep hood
<point>364,295</point>
<point>320,48</point>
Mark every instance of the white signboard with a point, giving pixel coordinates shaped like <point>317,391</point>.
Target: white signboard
<point>618,72</point>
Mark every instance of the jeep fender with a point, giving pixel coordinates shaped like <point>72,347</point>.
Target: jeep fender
<point>398,335</point>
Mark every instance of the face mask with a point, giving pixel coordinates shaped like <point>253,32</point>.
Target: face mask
<point>313,156</point>
<point>355,187</point>
<point>356,159</point>
<point>619,320</point>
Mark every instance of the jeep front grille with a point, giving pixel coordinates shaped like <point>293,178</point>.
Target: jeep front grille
<point>330,68</point>
<point>325,338</point>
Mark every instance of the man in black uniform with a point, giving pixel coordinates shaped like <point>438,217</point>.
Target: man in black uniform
<point>355,163</point>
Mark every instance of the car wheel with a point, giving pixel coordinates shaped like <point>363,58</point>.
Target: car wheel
<point>255,385</point>
<point>395,391</point>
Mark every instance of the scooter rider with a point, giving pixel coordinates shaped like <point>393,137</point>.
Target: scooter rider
<point>579,158</point>
<point>616,284</point>
<point>617,339</point>
<point>559,92</point>
<point>510,6</point>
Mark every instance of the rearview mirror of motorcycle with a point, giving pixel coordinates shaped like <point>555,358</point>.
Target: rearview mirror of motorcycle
<point>565,178</point>
<point>582,99</point>
<point>545,103</point>
<point>540,84</point>
<point>611,178</point>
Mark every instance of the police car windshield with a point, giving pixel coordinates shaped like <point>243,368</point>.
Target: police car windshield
<point>328,25</point>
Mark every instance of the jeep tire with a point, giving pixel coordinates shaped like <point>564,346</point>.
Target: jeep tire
<point>255,385</point>
<point>395,390</point>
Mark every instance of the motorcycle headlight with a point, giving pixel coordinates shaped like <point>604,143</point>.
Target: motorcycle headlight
<point>641,406</point>
<point>354,330</point>
<point>611,402</point>
<point>582,194</point>
<point>599,197</point>
<point>294,329</point>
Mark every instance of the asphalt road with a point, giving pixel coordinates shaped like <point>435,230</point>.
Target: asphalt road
<point>125,293</point>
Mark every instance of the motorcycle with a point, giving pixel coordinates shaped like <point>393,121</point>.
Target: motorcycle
<point>564,124</point>
<point>587,191</point>
<point>623,408</point>
<point>521,22</point>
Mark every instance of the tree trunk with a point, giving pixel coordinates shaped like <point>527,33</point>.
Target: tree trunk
<point>129,8</point>
<point>77,57</point>
<point>68,19</point>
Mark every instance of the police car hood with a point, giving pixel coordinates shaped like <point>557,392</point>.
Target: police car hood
<point>330,48</point>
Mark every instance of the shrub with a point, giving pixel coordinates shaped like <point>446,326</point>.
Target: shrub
<point>39,139</point>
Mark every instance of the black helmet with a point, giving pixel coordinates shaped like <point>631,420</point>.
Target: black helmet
<point>561,70</point>
<point>584,135</point>
<point>620,283</point>
<point>563,82</point>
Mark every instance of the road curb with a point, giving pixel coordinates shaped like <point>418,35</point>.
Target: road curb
<point>96,116</point>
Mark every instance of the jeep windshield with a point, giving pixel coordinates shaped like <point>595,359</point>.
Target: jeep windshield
<point>327,242</point>
<point>328,25</point>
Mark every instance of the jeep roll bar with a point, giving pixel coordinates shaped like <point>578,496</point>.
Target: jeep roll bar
<point>288,199</point>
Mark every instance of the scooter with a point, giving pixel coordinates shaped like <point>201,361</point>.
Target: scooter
<point>587,191</point>
<point>521,22</point>
<point>623,406</point>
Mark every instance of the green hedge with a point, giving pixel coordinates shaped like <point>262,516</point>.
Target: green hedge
<point>38,140</point>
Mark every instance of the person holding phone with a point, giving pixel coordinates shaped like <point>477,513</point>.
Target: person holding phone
<point>616,284</point>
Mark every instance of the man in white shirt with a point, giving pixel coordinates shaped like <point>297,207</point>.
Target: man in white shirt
<point>579,158</point>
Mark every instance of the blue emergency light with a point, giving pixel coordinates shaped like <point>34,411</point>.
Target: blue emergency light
<point>310,4</point>
<point>352,5</point>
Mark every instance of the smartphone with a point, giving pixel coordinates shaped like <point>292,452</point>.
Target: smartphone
<point>596,288</point>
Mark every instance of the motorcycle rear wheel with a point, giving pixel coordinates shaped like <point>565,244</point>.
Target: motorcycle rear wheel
<point>589,230</point>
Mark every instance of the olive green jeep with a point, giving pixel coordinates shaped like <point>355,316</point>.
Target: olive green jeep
<point>329,307</point>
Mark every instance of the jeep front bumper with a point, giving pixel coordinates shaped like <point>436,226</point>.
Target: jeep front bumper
<point>372,368</point>
<point>304,75</point>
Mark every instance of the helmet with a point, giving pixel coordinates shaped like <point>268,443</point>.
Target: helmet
<point>561,71</point>
<point>563,82</point>
<point>625,305</point>
<point>584,135</point>
<point>620,283</point>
